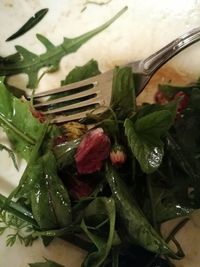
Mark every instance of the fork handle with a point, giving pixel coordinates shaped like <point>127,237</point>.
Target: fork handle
<point>156,60</point>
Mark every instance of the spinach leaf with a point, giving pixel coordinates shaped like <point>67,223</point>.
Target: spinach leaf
<point>65,153</point>
<point>137,228</point>
<point>50,201</point>
<point>28,178</point>
<point>99,207</point>
<point>123,92</point>
<point>31,63</point>
<point>183,143</point>
<point>48,263</point>
<point>29,24</point>
<point>17,120</point>
<point>168,203</point>
<point>144,138</point>
<point>82,72</point>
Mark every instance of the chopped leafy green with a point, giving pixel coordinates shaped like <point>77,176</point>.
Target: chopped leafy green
<point>137,227</point>
<point>99,207</point>
<point>144,138</point>
<point>123,93</point>
<point>48,263</point>
<point>17,120</point>
<point>29,24</point>
<point>31,63</point>
<point>50,202</point>
<point>82,72</point>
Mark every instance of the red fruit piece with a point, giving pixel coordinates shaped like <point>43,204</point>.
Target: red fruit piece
<point>183,100</point>
<point>160,98</point>
<point>92,151</point>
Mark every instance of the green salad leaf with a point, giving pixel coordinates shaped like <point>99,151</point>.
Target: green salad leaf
<point>82,72</point>
<point>50,201</point>
<point>18,122</point>
<point>31,63</point>
<point>98,212</point>
<point>123,93</point>
<point>144,138</point>
<point>47,263</point>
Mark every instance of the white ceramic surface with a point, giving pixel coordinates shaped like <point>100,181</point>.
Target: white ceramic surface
<point>144,28</point>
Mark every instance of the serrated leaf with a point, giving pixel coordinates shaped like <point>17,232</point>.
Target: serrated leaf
<point>32,63</point>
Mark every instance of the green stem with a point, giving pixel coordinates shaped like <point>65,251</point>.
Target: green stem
<point>150,192</point>
<point>17,131</point>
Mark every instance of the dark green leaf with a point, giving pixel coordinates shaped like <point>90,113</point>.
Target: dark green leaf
<point>154,125</point>
<point>65,153</point>
<point>148,154</point>
<point>50,202</point>
<point>29,24</point>
<point>138,229</point>
<point>105,207</point>
<point>48,263</point>
<point>170,90</point>
<point>10,59</point>
<point>144,138</point>
<point>16,118</point>
<point>31,63</point>
<point>123,93</point>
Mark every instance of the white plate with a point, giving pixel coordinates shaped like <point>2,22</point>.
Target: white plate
<point>144,28</point>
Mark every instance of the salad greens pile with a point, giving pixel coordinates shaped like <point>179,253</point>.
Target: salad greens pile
<point>119,209</point>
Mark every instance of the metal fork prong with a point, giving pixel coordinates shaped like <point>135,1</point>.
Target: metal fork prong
<point>92,101</point>
<point>76,85</point>
<point>75,96</point>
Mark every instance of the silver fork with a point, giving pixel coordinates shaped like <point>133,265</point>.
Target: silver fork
<point>96,91</point>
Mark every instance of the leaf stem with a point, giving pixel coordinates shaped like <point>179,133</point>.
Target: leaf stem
<point>26,138</point>
<point>150,192</point>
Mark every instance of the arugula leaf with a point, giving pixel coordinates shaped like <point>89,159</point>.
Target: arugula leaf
<point>48,263</point>
<point>105,207</point>
<point>31,63</point>
<point>29,24</point>
<point>11,154</point>
<point>10,59</point>
<point>144,138</point>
